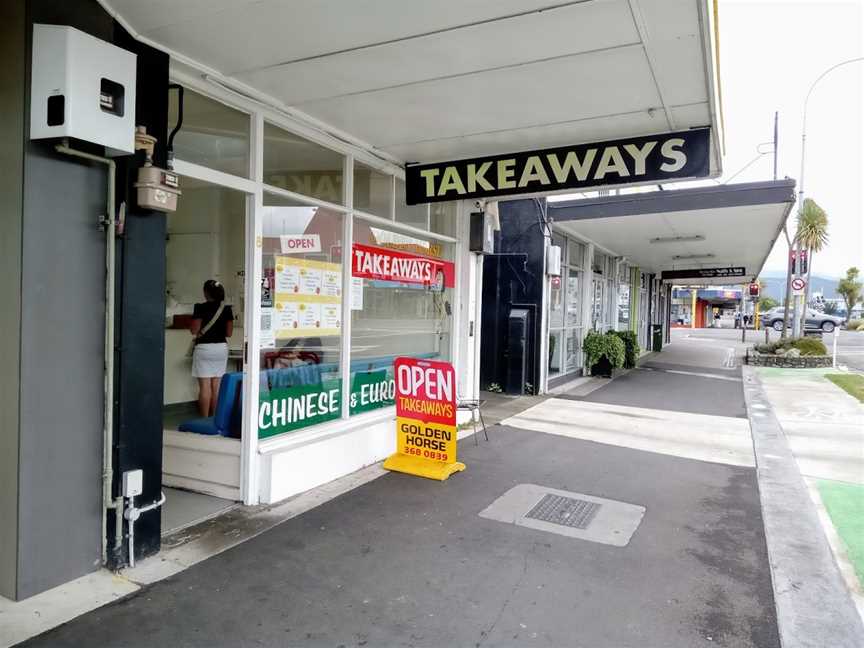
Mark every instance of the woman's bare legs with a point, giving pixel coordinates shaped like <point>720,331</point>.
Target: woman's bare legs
<point>205,396</point>
<point>214,390</point>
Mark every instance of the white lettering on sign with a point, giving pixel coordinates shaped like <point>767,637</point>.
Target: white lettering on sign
<point>429,383</point>
<point>282,411</point>
<point>297,243</point>
<point>390,268</point>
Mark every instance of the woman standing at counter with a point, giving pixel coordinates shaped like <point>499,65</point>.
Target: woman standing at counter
<point>212,325</point>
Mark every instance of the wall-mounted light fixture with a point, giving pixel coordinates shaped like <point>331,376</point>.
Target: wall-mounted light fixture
<point>677,239</point>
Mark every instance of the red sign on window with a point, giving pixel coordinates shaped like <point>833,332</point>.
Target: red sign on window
<point>383,264</point>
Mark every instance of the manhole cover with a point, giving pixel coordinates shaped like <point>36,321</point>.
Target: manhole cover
<point>566,511</point>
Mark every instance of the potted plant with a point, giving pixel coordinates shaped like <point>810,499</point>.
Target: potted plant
<point>631,347</point>
<point>604,352</point>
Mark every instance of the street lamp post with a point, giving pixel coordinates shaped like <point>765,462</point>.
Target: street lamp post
<point>798,317</point>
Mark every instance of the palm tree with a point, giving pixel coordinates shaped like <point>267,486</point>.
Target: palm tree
<point>812,235</point>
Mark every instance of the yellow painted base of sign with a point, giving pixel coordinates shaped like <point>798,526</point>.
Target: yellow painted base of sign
<point>422,467</point>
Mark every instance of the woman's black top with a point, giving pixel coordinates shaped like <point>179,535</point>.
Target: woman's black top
<point>218,330</point>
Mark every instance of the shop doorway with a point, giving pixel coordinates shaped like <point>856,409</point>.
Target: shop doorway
<point>201,457</point>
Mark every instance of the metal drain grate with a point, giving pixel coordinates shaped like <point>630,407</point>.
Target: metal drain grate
<point>566,511</point>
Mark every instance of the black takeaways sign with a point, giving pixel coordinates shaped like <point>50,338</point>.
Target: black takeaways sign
<point>703,273</point>
<point>657,158</point>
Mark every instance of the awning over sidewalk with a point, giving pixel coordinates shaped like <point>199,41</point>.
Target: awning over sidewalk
<point>705,235</point>
<point>443,80</point>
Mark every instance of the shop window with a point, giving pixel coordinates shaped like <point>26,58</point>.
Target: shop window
<point>213,134</point>
<point>574,304</point>
<point>557,294</point>
<point>296,164</point>
<point>575,254</point>
<point>414,215</point>
<point>599,265</point>
<point>442,218</point>
<point>401,305</point>
<point>205,240</point>
<point>373,191</point>
<point>597,311</point>
<point>573,350</point>
<point>623,306</point>
<point>301,316</point>
<point>556,352</point>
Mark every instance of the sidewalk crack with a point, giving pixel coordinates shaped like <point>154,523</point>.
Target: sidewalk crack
<point>485,634</point>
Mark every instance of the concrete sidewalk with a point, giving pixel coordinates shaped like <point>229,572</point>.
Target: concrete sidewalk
<point>824,427</point>
<point>403,561</point>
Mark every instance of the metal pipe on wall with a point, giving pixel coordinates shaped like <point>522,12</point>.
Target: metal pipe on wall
<point>109,223</point>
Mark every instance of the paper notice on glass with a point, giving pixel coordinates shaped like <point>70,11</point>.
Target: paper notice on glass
<point>356,293</point>
<point>287,278</point>
<point>331,283</point>
<point>330,314</point>
<point>287,316</point>
<point>268,332</point>
<point>310,281</point>
<point>309,317</point>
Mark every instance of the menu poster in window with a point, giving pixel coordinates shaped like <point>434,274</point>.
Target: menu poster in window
<point>331,283</point>
<point>308,294</point>
<point>330,315</point>
<point>356,293</point>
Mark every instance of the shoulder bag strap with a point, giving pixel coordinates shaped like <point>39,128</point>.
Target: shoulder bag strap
<point>212,321</point>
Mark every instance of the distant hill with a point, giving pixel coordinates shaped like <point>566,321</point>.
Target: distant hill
<point>775,285</point>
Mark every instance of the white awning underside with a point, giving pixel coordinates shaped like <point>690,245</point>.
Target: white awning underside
<point>430,81</point>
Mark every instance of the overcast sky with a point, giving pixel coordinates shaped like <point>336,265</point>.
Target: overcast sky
<point>770,53</point>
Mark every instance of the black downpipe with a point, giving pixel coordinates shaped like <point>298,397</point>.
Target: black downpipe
<point>178,126</point>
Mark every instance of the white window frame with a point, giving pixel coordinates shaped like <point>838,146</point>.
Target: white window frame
<point>255,190</point>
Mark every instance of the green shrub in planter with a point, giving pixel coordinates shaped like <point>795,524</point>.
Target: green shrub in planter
<point>603,345</point>
<point>809,346</point>
<point>631,347</point>
<point>855,325</point>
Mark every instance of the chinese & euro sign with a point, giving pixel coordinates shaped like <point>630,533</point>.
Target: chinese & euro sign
<point>425,419</point>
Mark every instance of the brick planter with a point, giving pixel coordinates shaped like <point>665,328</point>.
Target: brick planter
<point>757,359</point>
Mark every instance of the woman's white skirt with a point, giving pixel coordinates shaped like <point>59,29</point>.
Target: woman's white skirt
<point>209,360</point>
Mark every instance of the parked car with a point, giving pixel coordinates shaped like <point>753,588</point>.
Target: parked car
<point>815,320</point>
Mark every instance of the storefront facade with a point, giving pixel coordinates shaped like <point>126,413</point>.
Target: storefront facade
<point>332,265</point>
<point>321,320</point>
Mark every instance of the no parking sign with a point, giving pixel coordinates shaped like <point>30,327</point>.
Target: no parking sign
<point>798,286</point>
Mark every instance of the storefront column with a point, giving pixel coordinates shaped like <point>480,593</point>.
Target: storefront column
<point>588,288</point>
<point>693,292</point>
<point>252,321</point>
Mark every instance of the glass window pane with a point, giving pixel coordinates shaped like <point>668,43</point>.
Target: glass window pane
<point>623,306</point>
<point>556,352</point>
<point>401,305</point>
<point>575,254</point>
<point>206,240</point>
<point>416,215</point>
<point>373,191</point>
<point>212,135</point>
<point>573,350</point>
<point>557,295</point>
<point>442,218</point>
<point>301,313</point>
<point>597,309</point>
<point>294,163</point>
<point>574,303</point>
